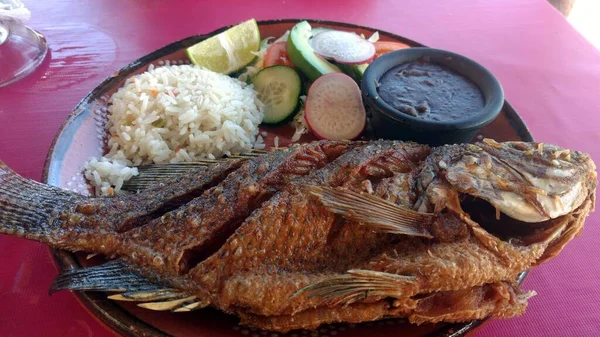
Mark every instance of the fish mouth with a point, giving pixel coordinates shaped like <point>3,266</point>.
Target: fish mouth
<point>538,206</point>
<point>499,224</point>
<point>525,181</point>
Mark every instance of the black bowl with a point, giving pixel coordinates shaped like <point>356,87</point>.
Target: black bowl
<point>390,123</point>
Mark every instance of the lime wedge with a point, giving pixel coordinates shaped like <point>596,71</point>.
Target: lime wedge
<point>228,51</point>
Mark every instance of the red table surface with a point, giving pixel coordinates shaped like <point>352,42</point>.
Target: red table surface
<point>550,74</point>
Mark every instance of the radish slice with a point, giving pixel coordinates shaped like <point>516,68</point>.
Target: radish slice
<point>343,47</point>
<point>334,109</point>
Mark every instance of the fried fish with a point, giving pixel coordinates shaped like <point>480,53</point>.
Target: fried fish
<point>324,232</point>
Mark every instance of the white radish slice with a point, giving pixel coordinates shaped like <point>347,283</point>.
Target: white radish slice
<point>343,47</point>
<point>334,108</point>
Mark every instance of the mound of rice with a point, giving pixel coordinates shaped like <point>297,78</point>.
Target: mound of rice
<point>178,113</point>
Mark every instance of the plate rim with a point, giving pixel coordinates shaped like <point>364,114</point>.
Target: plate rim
<point>119,320</point>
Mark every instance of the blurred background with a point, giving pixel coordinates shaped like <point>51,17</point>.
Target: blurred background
<point>584,15</point>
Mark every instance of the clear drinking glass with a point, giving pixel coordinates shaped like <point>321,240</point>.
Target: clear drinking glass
<point>22,49</point>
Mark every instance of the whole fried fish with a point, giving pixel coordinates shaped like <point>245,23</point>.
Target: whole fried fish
<point>325,232</point>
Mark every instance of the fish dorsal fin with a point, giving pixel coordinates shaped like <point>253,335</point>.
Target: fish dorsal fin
<point>377,213</point>
<point>150,174</point>
<point>359,284</point>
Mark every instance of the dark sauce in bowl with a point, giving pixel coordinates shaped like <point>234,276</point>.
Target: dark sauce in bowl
<point>430,91</point>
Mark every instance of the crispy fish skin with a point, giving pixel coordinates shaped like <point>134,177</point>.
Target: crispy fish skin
<point>277,236</point>
<point>130,226</point>
<point>469,257</point>
<point>174,242</point>
<point>130,211</point>
<point>451,262</point>
<point>381,229</point>
<point>497,300</point>
<point>73,222</point>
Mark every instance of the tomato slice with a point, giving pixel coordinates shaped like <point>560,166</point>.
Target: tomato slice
<point>277,55</point>
<point>384,47</point>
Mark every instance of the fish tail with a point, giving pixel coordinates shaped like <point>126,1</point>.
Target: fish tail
<point>29,209</point>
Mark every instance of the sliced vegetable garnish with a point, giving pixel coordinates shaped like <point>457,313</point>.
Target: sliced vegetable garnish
<point>343,47</point>
<point>277,55</point>
<point>355,71</point>
<point>302,55</point>
<point>278,89</point>
<point>334,108</point>
<point>384,47</point>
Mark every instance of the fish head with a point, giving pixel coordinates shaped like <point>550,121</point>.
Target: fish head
<point>530,182</point>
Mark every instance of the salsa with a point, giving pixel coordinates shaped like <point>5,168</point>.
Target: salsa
<point>430,91</point>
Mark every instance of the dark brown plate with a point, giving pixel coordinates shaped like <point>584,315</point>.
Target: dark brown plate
<point>82,136</point>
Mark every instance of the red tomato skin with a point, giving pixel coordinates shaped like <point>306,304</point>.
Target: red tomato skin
<point>277,55</point>
<point>384,47</point>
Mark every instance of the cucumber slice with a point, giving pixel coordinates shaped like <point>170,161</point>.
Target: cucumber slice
<point>278,88</point>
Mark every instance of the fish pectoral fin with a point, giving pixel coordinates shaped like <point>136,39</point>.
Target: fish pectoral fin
<point>377,213</point>
<point>359,284</point>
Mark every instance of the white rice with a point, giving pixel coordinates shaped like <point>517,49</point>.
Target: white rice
<point>108,176</point>
<point>176,114</point>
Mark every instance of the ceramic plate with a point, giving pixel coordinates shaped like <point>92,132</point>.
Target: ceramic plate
<point>82,136</point>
